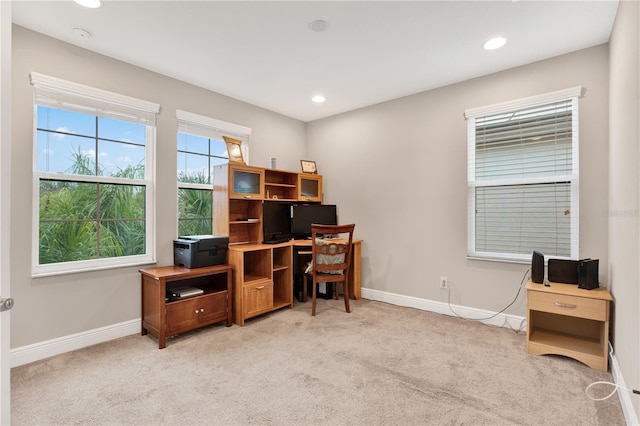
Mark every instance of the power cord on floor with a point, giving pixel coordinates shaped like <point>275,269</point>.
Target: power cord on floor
<point>497,313</point>
<point>615,385</point>
<point>615,388</point>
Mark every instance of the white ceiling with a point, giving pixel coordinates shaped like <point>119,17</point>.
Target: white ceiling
<point>264,52</point>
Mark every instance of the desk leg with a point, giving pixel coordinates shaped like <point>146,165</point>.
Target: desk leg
<point>355,275</point>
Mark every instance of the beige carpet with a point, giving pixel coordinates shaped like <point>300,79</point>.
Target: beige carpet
<point>379,365</point>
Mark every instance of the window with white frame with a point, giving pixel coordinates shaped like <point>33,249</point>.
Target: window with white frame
<point>523,177</point>
<point>200,148</point>
<point>93,178</point>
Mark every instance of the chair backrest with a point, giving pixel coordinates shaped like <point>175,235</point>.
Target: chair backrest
<point>331,249</point>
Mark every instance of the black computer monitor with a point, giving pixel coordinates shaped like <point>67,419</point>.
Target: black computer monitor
<point>303,215</point>
<point>276,224</point>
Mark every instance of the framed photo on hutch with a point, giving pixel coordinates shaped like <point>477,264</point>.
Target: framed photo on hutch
<point>309,166</point>
<point>234,149</point>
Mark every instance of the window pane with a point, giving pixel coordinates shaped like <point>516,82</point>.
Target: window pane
<point>122,238</point>
<point>532,142</point>
<point>67,241</point>
<point>58,153</point>
<point>193,144</point>
<point>69,224</point>
<point>195,211</point>
<point>61,200</point>
<point>122,202</point>
<point>121,160</point>
<point>193,168</point>
<point>62,121</point>
<point>219,149</point>
<point>123,131</point>
<point>521,218</point>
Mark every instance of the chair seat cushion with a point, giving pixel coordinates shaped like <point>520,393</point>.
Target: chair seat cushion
<point>330,258</point>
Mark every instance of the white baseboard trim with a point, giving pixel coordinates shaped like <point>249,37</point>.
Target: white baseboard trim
<point>38,351</point>
<point>513,322</point>
<point>625,398</point>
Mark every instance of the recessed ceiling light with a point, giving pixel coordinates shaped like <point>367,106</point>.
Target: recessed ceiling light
<point>318,25</point>
<point>495,43</point>
<point>81,32</point>
<point>318,99</point>
<point>93,4</point>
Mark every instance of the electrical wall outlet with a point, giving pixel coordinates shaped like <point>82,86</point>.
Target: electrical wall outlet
<point>443,282</point>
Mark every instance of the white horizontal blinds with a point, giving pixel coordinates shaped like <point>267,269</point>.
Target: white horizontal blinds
<point>199,125</point>
<point>517,219</point>
<point>61,94</point>
<point>528,143</point>
<point>523,177</point>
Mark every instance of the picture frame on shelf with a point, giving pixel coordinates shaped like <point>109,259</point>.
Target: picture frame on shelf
<point>234,149</point>
<point>309,166</point>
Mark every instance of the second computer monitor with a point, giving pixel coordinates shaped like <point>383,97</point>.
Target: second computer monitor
<point>303,215</point>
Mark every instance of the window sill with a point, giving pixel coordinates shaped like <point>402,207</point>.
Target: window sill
<point>78,267</point>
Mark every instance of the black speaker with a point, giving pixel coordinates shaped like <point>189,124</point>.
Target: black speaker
<point>537,267</point>
<point>588,274</point>
<point>562,271</point>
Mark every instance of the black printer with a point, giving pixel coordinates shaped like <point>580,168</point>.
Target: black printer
<point>196,251</point>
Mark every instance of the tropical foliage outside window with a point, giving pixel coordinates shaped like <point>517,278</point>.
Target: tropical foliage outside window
<point>197,157</point>
<point>90,173</point>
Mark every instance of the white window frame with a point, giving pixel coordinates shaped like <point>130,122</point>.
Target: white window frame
<point>505,107</point>
<point>211,128</point>
<point>80,98</point>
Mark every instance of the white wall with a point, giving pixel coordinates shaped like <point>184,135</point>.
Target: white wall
<point>624,191</point>
<point>52,307</point>
<point>399,171</point>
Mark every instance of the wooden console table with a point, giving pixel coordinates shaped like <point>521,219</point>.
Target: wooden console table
<point>566,320</point>
<point>165,318</point>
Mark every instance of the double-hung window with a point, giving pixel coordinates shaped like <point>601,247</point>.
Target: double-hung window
<point>200,149</point>
<point>523,177</point>
<point>93,178</point>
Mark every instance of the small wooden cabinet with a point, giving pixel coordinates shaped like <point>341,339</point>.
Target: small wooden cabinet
<point>263,281</point>
<point>164,318</point>
<point>566,320</point>
<point>309,187</point>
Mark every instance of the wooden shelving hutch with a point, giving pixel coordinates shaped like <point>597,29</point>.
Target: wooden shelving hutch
<point>263,273</point>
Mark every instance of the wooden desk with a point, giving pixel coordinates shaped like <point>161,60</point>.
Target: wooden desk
<point>263,276</point>
<point>355,270</point>
<point>566,320</point>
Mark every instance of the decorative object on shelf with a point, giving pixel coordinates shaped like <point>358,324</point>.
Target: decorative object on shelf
<point>272,163</point>
<point>309,166</point>
<point>234,148</point>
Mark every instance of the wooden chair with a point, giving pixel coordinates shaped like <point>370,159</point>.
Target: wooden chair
<point>330,260</point>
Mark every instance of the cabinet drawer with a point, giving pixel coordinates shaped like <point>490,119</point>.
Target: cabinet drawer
<point>258,298</point>
<point>581,307</point>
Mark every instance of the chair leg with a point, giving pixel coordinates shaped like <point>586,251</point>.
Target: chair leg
<point>313,299</point>
<point>336,288</point>
<point>345,286</point>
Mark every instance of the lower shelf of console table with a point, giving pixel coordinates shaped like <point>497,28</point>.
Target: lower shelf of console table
<point>164,318</point>
<point>566,320</point>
